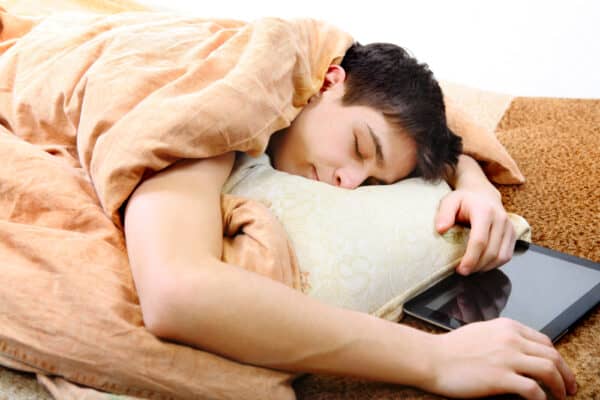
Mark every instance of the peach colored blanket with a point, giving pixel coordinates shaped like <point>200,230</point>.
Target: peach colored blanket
<point>89,106</point>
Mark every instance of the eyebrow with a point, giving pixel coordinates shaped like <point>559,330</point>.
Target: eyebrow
<point>378,151</point>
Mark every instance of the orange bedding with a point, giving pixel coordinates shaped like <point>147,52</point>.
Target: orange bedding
<point>89,106</point>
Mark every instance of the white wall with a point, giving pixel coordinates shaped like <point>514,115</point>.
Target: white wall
<point>520,47</point>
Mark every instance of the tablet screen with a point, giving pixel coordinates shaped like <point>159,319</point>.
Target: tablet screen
<point>535,287</point>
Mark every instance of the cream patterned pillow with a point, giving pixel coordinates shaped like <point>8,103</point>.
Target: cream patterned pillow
<point>369,249</point>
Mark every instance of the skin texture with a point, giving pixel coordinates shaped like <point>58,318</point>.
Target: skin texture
<point>333,143</point>
<point>173,229</point>
<point>477,203</point>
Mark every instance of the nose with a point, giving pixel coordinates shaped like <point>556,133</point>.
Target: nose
<point>348,178</point>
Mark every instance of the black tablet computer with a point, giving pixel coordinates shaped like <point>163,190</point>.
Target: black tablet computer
<point>542,288</point>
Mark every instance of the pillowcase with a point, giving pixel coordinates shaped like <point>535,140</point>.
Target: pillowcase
<point>473,114</point>
<point>369,249</point>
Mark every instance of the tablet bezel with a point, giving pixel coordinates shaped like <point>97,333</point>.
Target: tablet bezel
<point>555,329</point>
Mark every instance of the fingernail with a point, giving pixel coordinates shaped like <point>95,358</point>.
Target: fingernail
<point>574,387</point>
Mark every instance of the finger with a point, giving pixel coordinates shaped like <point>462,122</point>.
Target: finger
<point>446,214</point>
<point>525,387</point>
<point>478,238</point>
<point>507,247</point>
<point>534,335</point>
<point>538,337</point>
<point>489,257</point>
<point>544,371</point>
<point>550,353</point>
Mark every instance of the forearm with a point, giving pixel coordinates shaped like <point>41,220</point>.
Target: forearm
<point>469,175</point>
<point>253,319</point>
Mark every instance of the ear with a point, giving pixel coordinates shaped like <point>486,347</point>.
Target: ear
<point>336,75</point>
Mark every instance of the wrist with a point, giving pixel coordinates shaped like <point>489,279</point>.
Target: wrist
<point>425,372</point>
<point>418,359</point>
<point>433,362</point>
<point>391,352</point>
<point>469,176</point>
<point>484,188</point>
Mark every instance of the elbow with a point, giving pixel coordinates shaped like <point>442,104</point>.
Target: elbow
<point>172,307</point>
<point>158,306</point>
<point>154,323</point>
<point>177,301</point>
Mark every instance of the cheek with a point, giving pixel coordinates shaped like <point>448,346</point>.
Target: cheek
<point>297,148</point>
<point>322,139</point>
<point>333,149</point>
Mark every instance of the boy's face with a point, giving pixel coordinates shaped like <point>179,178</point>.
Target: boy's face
<point>342,145</point>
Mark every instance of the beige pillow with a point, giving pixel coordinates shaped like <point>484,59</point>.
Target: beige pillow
<point>368,249</point>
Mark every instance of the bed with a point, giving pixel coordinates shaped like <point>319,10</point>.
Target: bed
<point>555,142</point>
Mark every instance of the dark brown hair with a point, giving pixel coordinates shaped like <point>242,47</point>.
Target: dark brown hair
<point>386,78</point>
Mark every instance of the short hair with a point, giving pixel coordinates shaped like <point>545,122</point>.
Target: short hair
<point>385,77</point>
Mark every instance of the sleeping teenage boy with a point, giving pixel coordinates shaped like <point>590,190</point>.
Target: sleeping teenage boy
<point>378,118</point>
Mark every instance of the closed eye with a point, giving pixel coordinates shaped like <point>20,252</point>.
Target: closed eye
<point>356,148</point>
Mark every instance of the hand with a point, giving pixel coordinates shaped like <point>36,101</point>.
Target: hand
<point>495,357</point>
<point>492,238</point>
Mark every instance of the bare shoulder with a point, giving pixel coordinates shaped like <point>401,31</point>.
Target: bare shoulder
<point>172,222</point>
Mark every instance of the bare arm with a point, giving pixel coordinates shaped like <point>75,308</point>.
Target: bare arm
<point>470,175</point>
<point>174,238</point>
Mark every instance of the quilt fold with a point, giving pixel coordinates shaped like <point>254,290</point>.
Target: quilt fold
<point>90,105</point>
<point>129,95</point>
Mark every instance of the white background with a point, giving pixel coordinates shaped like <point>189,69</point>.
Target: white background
<point>525,48</point>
